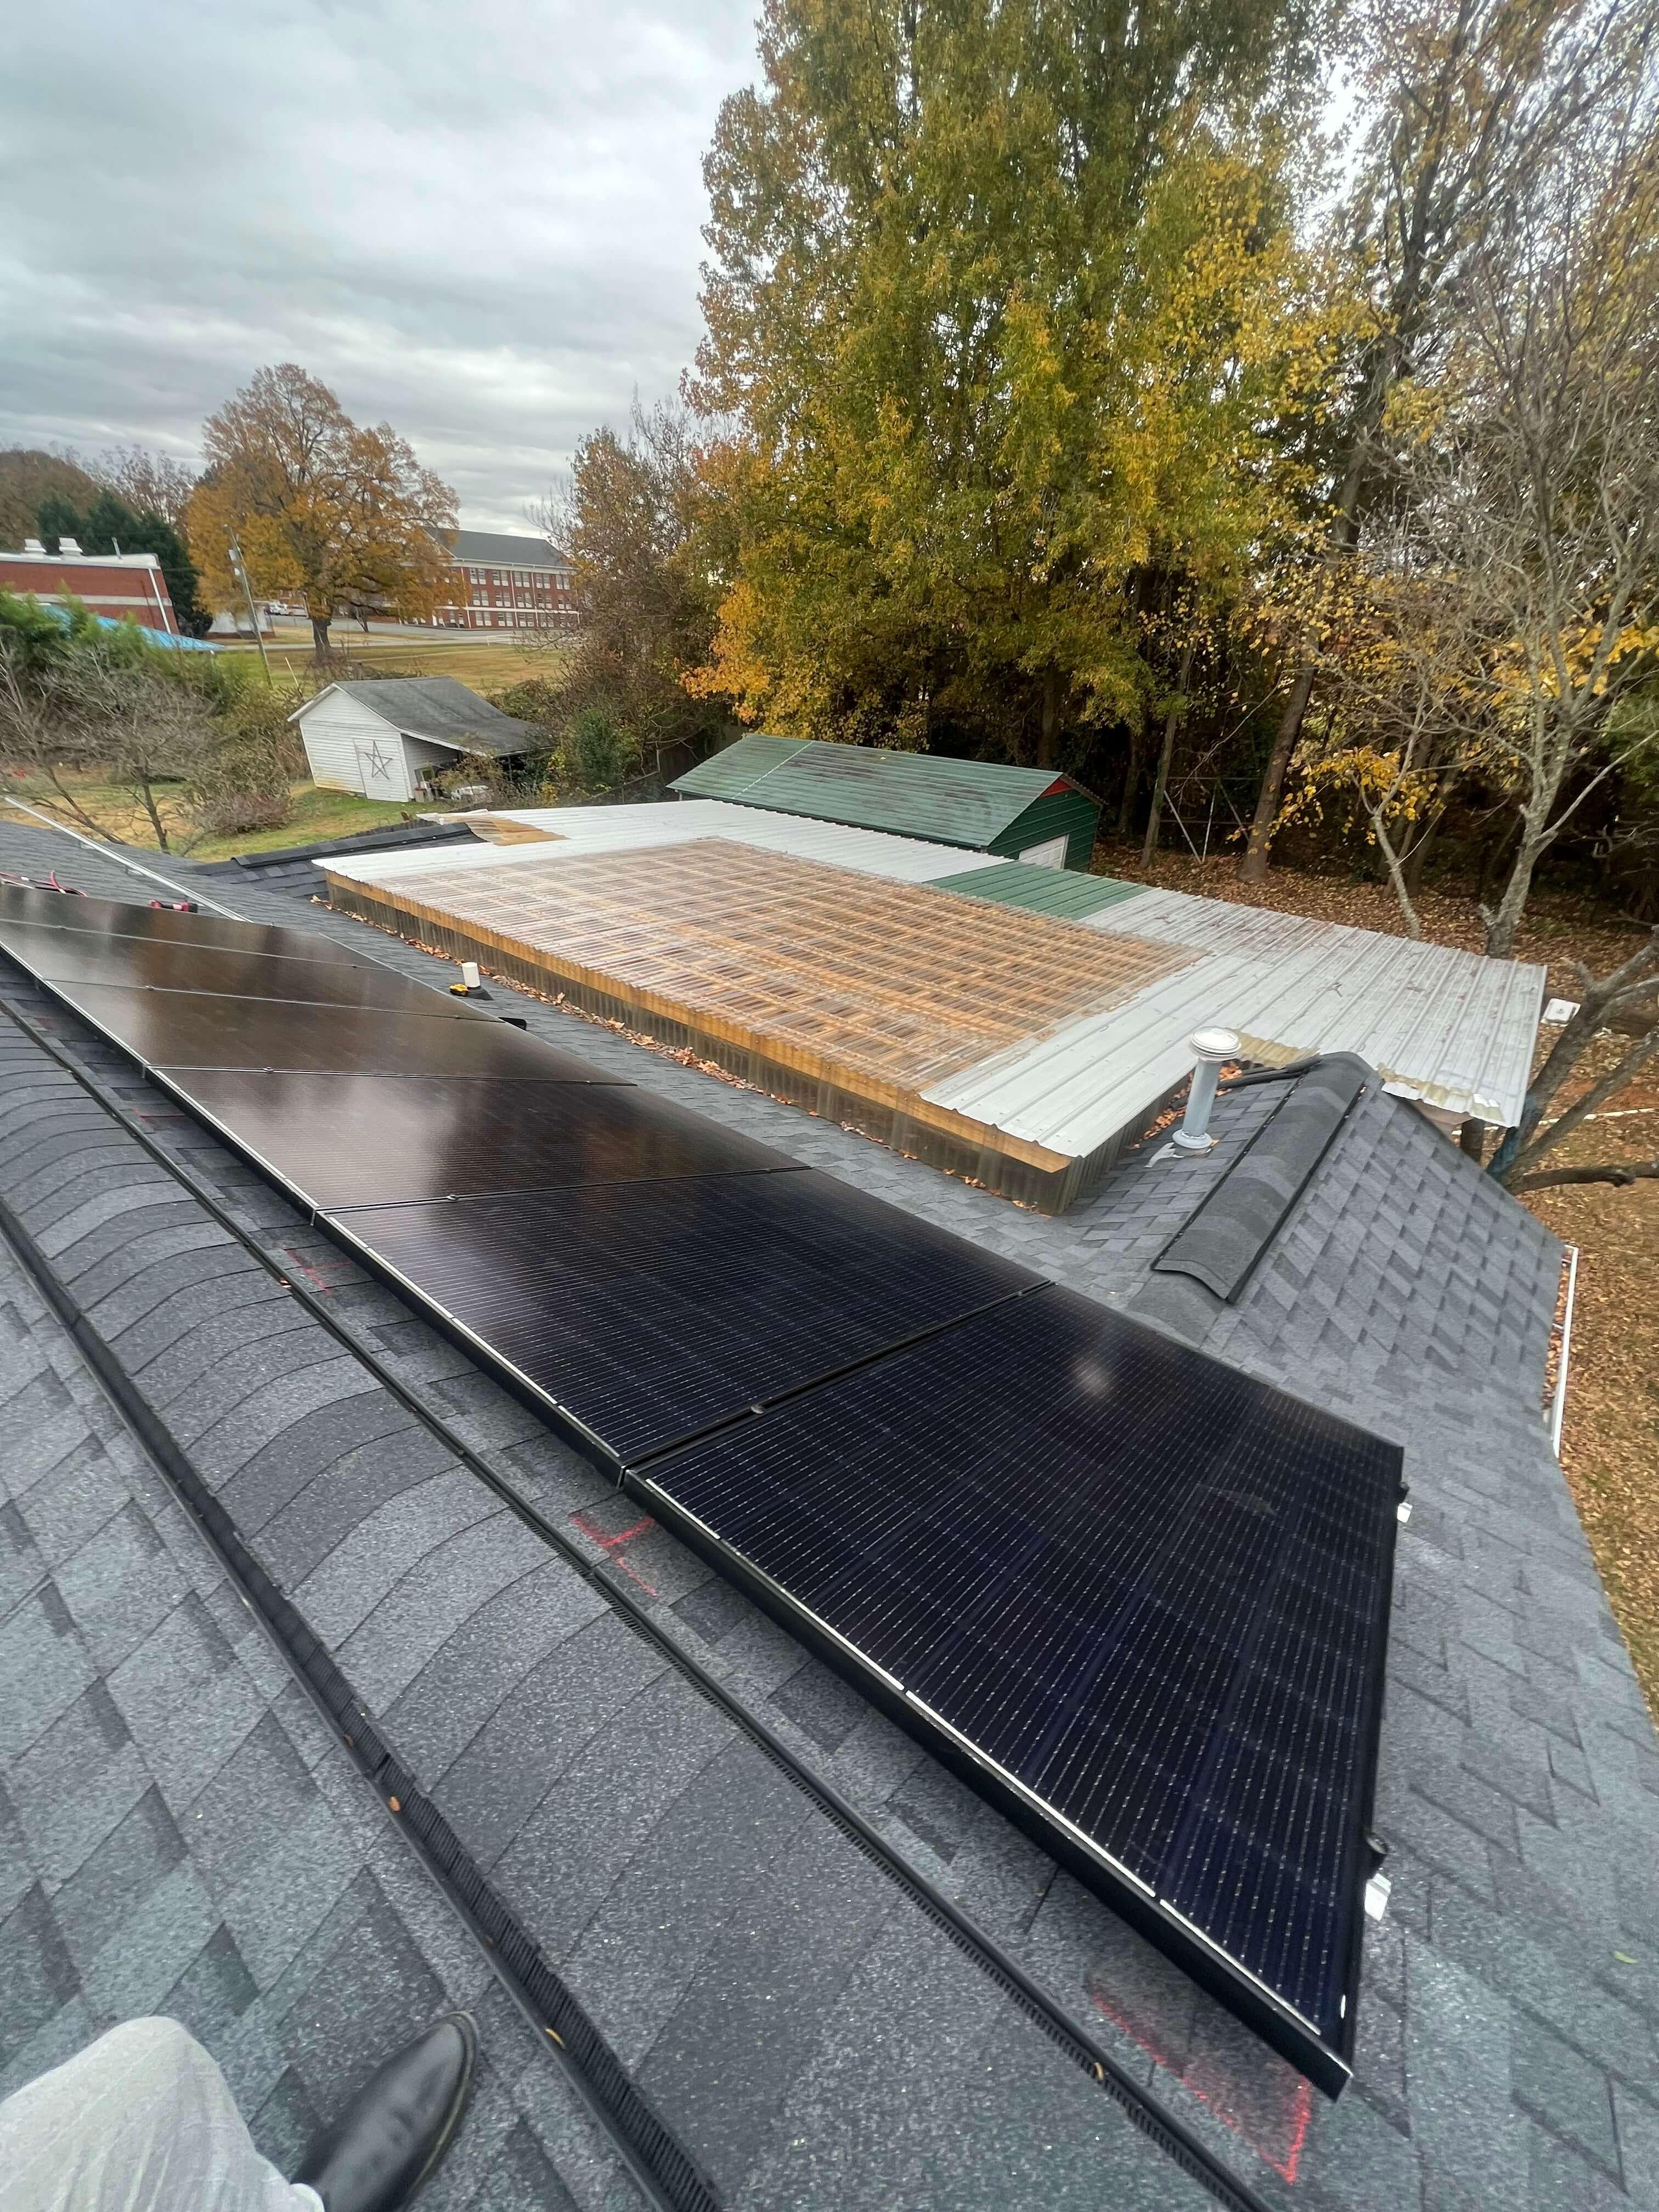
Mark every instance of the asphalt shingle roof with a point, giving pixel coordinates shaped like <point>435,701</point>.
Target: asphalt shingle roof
<point>789,2012</point>
<point>178,1832</point>
<point>442,710</point>
<point>500,549</point>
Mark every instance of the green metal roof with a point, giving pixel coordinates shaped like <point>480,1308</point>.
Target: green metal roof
<point>953,802</point>
<point>1058,891</point>
<point>729,773</point>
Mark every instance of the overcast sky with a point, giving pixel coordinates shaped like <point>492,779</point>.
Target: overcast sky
<point>478,224</point>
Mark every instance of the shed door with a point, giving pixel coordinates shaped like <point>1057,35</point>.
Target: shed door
<point>1049,854</point>
<point>381,765</point>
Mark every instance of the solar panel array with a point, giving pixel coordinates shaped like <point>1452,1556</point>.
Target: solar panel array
<point>1137,1598</point>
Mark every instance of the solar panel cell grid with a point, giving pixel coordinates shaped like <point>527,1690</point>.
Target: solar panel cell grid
<point>191,1030</point>
<point>351,1141</point>
<point>1148,1594</point>
<point>651,1310</point>
<point>71,956</point>
<point>1147,1587</point>
<point>97,917</point>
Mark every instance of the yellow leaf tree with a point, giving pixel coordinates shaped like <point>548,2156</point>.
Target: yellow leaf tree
<point>324,508</point>
<point>1004,315</point>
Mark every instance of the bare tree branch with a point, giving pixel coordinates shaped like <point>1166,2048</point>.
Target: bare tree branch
<point>1621,1173</point>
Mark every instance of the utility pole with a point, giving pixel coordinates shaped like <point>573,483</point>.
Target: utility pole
<point>241,574</point>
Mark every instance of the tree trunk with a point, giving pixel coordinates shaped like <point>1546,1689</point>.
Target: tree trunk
<point>1493,857</point>
<point>1126,812</point>
<point>1416,859</point>
<point>1171,724</point>
<point>154,817</point>
<point>1502,926</point>
<point>1396,875</point>
<point>1254,869</point>
<point>1048,740</point>
<point>319,635</point>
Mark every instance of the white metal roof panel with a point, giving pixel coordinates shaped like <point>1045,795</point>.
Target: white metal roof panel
<point>1457,1027</point>
<point>626,828</point>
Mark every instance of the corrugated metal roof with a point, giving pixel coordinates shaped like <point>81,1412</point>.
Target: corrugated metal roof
<point>618,829</point>
<point>950,802</point>
<point>735,767</point>
<point>1456,1027</point>
<point>1061,891</point>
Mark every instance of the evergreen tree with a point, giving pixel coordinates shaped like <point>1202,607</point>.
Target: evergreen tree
<point>108,524</point>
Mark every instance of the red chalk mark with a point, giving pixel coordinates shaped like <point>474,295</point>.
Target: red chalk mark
<point>1275,2136</point>
<point>319,1281</point>
<point>613,1545</point>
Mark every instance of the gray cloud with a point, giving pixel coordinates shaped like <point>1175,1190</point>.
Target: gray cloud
<point>478,222</point>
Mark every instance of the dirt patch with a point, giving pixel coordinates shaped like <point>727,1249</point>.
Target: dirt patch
<point>1610,1439</point>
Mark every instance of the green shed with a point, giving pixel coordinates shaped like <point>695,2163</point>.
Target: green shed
<point>1022,814</point>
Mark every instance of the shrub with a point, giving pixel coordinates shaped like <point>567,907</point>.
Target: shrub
<point>234,813</point>
<point>600,752</point>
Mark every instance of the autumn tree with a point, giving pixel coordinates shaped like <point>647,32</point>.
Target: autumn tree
<point>1003,302</point>
<point>1468,103</point>
<point>147,482</point>
<point>1518,582</point>
<point>322,508</point>
<point>633,522</point>
<point>1549,473</point>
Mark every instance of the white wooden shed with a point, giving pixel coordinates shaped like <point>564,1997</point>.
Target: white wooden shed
<point>383,738</point>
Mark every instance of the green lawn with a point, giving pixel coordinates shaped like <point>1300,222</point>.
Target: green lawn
<point>317,816</point>
<point>487,664</point>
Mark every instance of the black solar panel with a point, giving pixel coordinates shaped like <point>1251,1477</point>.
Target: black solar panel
<point>187,1030</point>
<point>70,956</point>
<point>1151,1591</point>
<point>164,925</point>
<point>649,1310</point>
<point>1138,1597</point>
<point>351,1141</point>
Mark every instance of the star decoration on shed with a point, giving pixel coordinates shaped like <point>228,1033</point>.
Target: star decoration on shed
<point>378,759</point>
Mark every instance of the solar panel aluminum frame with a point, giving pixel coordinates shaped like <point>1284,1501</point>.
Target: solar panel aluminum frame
<point>1249,2000</point>
<point>542,1401</point>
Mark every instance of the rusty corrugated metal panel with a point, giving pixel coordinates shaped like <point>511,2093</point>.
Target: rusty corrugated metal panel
<point>1455,1027</point>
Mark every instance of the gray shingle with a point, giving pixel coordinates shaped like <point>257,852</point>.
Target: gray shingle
<point>75,1784</point>
<point>1562,2089</point>
<point>1406,1292</point>
<point>44,1669</point>
<point>120,1585</point>
<point>37,1974</point>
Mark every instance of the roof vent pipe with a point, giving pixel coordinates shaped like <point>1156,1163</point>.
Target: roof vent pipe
<point>1211,1049</point>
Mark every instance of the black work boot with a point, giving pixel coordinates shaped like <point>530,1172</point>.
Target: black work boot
<point>391,2138</point>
